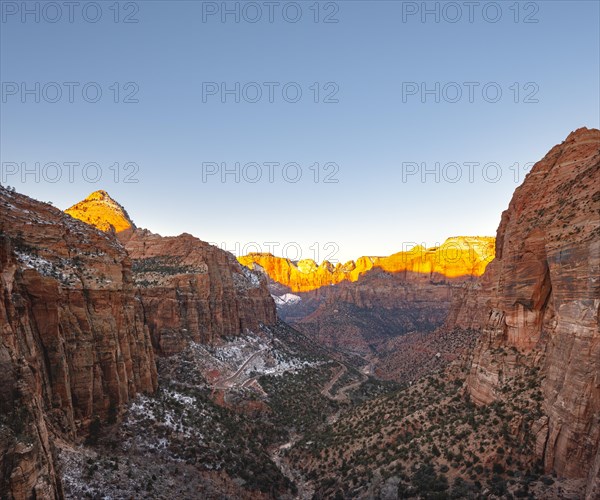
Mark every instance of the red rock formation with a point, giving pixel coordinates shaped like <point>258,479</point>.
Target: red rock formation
<point>542,296</point>
<point>73,342</point>
<point>190,290</point>
<point>360,306</point>
<point>456,257</point>
<point>362,316</point>
<point>101,211</point>
<point>77,333</point>
<point>194,291</point>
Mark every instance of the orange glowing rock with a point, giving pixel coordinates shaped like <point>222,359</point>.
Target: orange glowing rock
<point>458,256</point>
<point>101,211</point>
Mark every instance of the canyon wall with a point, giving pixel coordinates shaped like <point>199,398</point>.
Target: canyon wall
<point>193,291</point>
<point>82,314</point>
<point>361,316</point>
<point>539,303</point>
<point>360,306</point>
<point>189,290</point>
<point>74,346</point>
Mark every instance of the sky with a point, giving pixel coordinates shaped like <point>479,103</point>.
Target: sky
<point>307,129</point>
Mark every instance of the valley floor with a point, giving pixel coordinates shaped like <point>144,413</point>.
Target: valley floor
<point>271,415</point>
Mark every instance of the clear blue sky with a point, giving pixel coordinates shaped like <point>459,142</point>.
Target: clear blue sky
<point>370,133</point>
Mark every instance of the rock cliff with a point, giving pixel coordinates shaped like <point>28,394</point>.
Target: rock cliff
<point>361,316</point>
<point>360,306</point>
<point>80,313</point>
<point>191,290</point>
<point>74,347</point>
<point>539,302</point>
<point>456,257</point>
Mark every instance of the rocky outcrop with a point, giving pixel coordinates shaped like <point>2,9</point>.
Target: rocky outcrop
<point>190,290</point>
<point>102,212</point>
<point>194,291</point>
<point>457,257</point>
<point>542,298</point>
<point>74,346</point>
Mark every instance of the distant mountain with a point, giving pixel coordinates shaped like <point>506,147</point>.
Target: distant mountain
<point>361,307</point>
<point>456,257</point>
<point>101,211</point>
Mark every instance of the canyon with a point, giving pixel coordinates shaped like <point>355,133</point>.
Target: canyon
<point>367,308</point>
<point>144,365</point>
<point>531,376</point>
<point>84,316</point>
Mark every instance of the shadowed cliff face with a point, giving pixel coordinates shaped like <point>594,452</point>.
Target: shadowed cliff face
<point>191,290</point>
<point>541,296</point>
<point>361,316</point>
<point>73,347</point>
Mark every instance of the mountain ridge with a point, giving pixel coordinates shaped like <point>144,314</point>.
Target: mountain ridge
<point>100,210</point>
<point>458,256</point>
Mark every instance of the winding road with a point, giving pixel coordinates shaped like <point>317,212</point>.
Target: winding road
<point>230,381</point>
<point>342,393</point>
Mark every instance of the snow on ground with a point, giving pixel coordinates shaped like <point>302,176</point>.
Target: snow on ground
<point>61,269</point>
<point>42,266</point>
<point>168,410</point>
<point>286,299</point>
<point>246,281</point>
<point>252,277</point>
<point>236,360</point>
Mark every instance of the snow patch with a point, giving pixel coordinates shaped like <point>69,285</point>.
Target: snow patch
<point>286,299</point>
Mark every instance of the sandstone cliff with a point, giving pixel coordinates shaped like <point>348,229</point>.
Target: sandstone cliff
<point>191,290</point>
<point>456,257</point>
<point>360,306</point>
<point>101,211</point>
<point>73,347</point>
<point>539,305</point>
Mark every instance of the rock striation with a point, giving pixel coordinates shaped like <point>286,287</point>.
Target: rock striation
<point>194,291</point>
<point>82,314</point>
<point>538,305</point>
<point>360,306</point>
<point>362,316</point>
<point>73,345</point>
<point>190,290</point>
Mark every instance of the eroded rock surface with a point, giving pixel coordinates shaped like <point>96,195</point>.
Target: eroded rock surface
<point>74,346</point>
<point>540,298</point>
<point>457,257</point>
<point>191,290</point>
